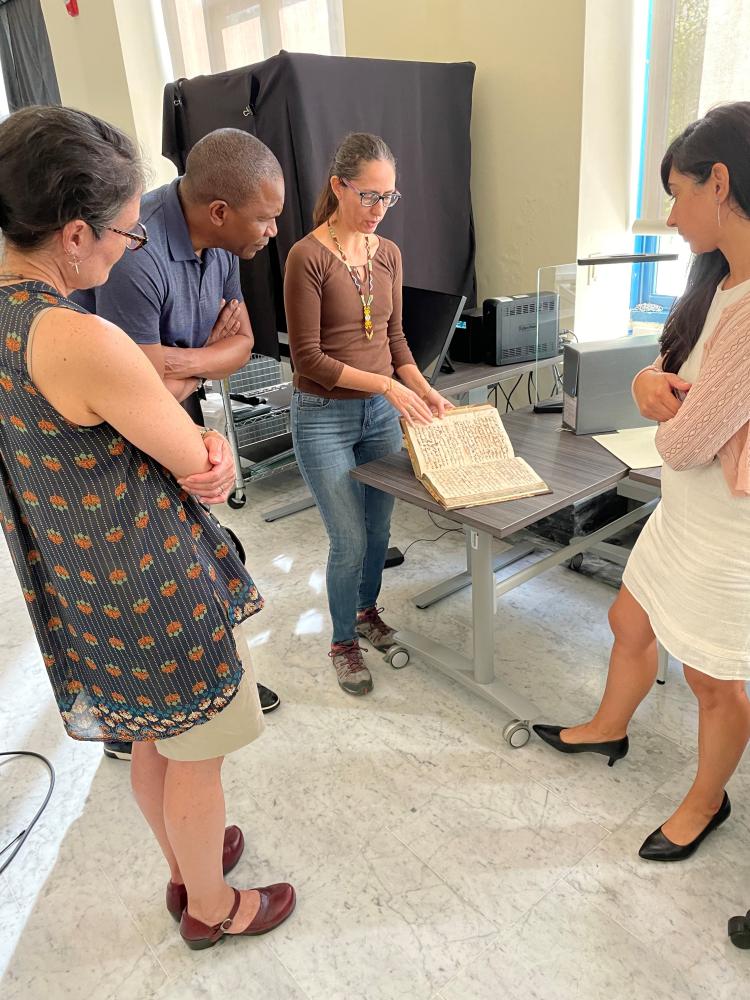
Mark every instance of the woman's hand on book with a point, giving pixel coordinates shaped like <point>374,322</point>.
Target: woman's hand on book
<point>437,403</point>
<point>653,392</point>
<point>413,409</point>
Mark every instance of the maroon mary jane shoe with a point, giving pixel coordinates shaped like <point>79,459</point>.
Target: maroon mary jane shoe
<point>234,845</point>
<point>276,904</point>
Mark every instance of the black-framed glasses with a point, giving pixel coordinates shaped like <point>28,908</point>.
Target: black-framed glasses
<point>135,241</point>
<point>369,199</point>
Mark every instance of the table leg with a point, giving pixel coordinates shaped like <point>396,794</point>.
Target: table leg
<point>455,583</point>
<point>663,664</point>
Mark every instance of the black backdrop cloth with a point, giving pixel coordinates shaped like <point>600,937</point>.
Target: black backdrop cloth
<point>301,106</point>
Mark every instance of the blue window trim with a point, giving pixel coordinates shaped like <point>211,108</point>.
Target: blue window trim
<point>643,278</point>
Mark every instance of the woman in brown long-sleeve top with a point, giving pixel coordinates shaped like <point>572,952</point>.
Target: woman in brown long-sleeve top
<point>342,293</point>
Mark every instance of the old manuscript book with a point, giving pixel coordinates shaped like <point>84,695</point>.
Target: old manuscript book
<point>466,459</point>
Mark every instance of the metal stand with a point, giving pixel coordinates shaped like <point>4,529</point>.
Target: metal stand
<point>663,664</point>
<point>478,673</point>
<point>277,513</point>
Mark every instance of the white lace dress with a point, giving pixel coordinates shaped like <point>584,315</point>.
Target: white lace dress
<point>690,569</point>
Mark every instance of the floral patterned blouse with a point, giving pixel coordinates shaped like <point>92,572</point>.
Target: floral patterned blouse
<point>132,587</point>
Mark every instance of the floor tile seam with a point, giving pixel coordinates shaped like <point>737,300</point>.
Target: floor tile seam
<point>444,881</point>
<point>663,955</point>
<point>305,993</point>
<point>133,919</point>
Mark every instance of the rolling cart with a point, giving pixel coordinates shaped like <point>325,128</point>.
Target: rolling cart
<point>256,406</point>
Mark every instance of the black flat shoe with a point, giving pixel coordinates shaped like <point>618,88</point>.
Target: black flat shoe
<point>657,847</point>
<point>269,700</point>
<point>739,931</point>
<point>614,749</point>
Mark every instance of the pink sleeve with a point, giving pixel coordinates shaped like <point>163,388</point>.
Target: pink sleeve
<point>715,408</point>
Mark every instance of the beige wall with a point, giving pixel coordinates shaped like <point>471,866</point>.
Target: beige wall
<point>88,60</point>
<point>108,63</point>
<point>526,125</point>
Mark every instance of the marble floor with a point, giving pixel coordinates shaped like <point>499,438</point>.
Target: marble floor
<point>431,860</point>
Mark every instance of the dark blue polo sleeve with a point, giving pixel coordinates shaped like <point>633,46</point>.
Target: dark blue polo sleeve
<point>232,286</point>
<point>134,296</point>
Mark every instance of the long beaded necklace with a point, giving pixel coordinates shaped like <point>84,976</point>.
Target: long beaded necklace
<point>366,302</point>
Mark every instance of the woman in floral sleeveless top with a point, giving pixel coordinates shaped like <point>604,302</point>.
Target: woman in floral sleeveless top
<point>134,591</point>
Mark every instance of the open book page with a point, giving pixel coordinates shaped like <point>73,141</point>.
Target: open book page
<point>467,435</point>
<point>487,483</point>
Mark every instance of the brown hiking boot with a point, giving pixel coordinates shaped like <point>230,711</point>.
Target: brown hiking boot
<point>371,626</point>
<point>351,672</point>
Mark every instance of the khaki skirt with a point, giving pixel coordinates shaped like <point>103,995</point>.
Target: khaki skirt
<point>234,727</point>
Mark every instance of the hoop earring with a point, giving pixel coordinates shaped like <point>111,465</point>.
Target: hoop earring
<point>718,214</point>
<point>75,263</point>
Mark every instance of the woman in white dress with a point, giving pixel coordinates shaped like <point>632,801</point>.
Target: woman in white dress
<point>687,582</point>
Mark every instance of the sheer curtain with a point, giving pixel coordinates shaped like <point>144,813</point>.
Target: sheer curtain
<point>209,36</point>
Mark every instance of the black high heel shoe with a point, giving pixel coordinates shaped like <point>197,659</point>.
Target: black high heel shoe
<point>739,931</point>
<point>614,749</point>
<point>657,847</point>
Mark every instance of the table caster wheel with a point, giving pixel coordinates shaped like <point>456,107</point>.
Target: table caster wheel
<point>739,931</point>
<point>517,734</point>
<point>236,500</point>
<point>398,657</point>
<point>576,563</point>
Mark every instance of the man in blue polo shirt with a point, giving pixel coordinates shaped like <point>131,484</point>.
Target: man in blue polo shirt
<point>180,298</point>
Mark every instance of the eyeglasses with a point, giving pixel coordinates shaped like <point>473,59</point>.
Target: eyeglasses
<point>135,241</point>
<point>369,199</point>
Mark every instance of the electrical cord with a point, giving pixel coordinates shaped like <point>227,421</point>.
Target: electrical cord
<point>446,531</point>
<point>508,396</point>
<point>17,843</point>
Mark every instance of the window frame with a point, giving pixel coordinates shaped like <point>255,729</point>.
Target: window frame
<point>215,14</point>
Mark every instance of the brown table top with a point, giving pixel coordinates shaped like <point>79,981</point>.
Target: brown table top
<point>651,477</point>
<point>573,467</point>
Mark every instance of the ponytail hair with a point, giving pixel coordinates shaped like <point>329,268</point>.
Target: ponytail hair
<point>721,136</point>
<point>355,150</point>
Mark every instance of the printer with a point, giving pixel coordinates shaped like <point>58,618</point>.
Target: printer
<point>510,325</point>
<point>596,383</point>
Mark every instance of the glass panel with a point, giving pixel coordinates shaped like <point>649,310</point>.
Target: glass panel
<point>305,27</point>
<point>242,38</point>
<point>192,28</point>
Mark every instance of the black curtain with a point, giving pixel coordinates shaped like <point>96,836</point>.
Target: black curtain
<point>301,106</point>
<point>25,54</point>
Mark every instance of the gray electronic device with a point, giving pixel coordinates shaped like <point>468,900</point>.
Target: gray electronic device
<point>596,383</point>
<point>510,328</point>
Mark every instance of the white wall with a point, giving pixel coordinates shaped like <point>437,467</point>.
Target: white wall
<point>526,123</point>
<point>109,62</point>
<point>614,66</point>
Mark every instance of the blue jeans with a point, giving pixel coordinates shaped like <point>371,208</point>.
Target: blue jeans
<point>331,437</point>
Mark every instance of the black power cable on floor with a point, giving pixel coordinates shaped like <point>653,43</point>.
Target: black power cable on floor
<point>446,531</point>
<point>17,843</point>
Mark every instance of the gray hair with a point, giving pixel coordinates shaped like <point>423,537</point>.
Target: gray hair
<point>357,148</point>
<point>230,165</point>
<point>58,165</point>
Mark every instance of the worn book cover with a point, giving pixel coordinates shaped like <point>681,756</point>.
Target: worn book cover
<point>467,459</point>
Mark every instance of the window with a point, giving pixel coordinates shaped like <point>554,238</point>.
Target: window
<point>209,36</point>
<point>697,57</point>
